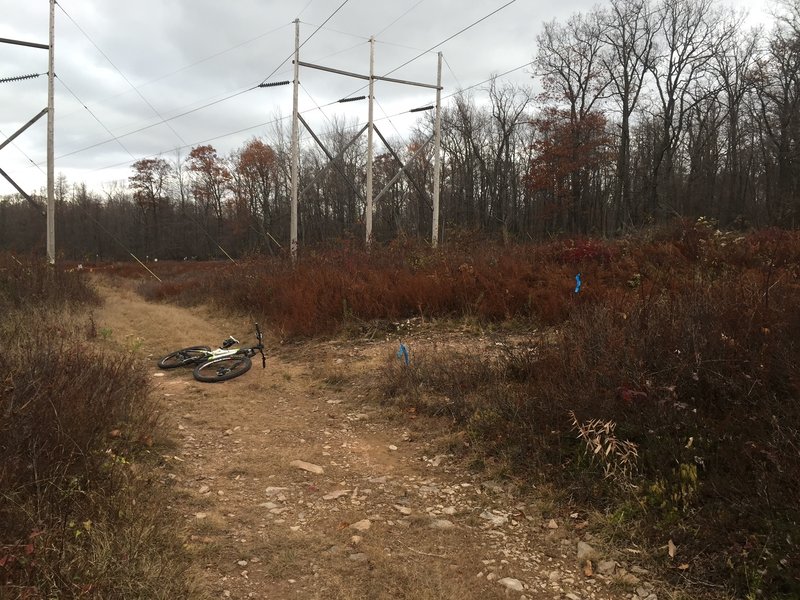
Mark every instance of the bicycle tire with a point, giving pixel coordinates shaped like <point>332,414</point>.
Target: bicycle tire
<point>222,369</point>
<point>185,356</point>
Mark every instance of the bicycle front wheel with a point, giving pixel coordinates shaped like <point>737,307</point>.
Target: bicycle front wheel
<point>186,356</point>
<point>222,369</point>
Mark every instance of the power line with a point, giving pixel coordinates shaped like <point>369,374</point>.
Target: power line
<point>198,62</point>
<point>128,81</point>
<point>319,107</point>
<point>456,34</point>
<point>389,26</point>
<point>163,120</point>
<point>61,81</point>
<point>21,151</point>
<point>339,31</point>
<point>283,62</point>
<point>449,68</point>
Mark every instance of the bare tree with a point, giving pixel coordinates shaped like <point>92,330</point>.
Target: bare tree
<point>569,61</point>
<point>690,33</point>
<point>628,33</point>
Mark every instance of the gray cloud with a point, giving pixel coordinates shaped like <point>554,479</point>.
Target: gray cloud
<point>182,54</point>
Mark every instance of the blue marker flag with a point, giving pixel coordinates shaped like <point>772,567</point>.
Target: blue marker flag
<point>403,353</point>
<point>578,283</point>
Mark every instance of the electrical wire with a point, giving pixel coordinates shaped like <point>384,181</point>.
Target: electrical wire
<point>389,26</point>
<point>195,63</point>
<point>21,151</point>
<point>128,81</point>
<point>284,118</point>
<point>89,110</point>
<point>456,34</point>
<point>319,108</point>
<point>201,107</point>
<point>449,68</point>
<point>305,8</point>
<point>283,62</point>
<point>339,31</point>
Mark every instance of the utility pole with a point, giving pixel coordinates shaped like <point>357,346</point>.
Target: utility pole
<point>437,161</point>
<point>51,203</point>
<point>295,141</point>
<point>370,130</point>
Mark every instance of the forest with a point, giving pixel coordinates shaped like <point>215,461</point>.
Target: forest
<point>638,111</point>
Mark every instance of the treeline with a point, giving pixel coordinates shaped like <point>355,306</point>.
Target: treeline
<point>645,110</point>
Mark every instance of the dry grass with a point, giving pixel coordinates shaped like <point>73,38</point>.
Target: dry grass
<point>80,517</point>
<point>684,337</point>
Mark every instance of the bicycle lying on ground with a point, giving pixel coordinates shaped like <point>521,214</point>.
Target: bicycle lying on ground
<point>221,364</point>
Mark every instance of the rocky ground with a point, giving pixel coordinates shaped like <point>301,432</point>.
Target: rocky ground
<point>292,482</point>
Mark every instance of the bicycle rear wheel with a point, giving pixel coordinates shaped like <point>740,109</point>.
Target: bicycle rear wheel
<point>222,369</point>
<point>186,356</point>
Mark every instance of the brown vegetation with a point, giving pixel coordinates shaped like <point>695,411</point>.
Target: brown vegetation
<point>79,518</point>
<point>668,397</point>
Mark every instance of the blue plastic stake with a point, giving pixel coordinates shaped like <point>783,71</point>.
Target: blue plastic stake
<point>403,353</point>
<point>578,283</point>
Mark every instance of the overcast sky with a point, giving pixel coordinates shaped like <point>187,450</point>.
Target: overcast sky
<point>182,54</point>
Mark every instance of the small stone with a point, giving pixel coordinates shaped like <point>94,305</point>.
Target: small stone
<point>356,540</point>
<point>200,515</point>
<point>335,495</point>
<point>491,576</point>
<point>228,432</point>
<point>358,557</point>
<point>606,567</point>
<point>586,552</point>
<point>552,524</point>
<point>241,563</point>
<point>515,585</point>
<point>362,525</point>
<point>628,579</point>
<point>392,447</point>
<point>572,596</point>
<point>450,510</point>
<point>307,466</point>
<point>554,576</point>
<point>442,524</point>
<point>403,509</point>
<point>204,489</point>
<point>495,520</point>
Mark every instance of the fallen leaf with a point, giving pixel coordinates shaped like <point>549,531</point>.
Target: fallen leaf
<point>683,566</point>
<point>672,548</point>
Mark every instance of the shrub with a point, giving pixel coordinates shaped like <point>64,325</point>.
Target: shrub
<point>79,518</point>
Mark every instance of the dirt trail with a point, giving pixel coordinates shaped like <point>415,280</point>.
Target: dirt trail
<point>388,518</point>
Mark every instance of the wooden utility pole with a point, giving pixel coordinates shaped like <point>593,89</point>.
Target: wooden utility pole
<point>437,161</point>
<point>370,130</point>
<point>295,141</point>
<point>51,202</point>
